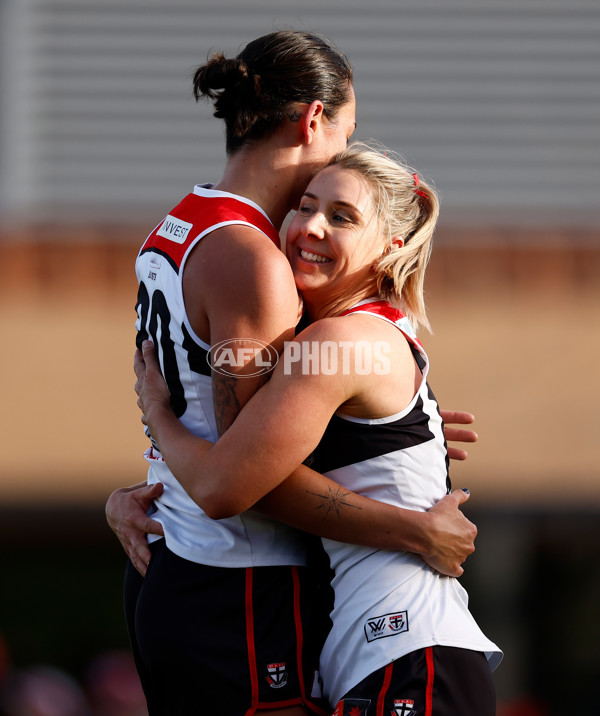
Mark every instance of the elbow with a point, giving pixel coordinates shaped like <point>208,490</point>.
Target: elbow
<point>220,506</point>
<point>219,493</point>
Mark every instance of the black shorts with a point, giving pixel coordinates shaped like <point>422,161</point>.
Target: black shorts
<point>436,681</point>
<point>213,640</point>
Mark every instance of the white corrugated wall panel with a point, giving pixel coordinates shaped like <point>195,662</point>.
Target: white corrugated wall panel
<point>497,101</point>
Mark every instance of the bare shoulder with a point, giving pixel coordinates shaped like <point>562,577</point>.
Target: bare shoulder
<point>237,271</point>
<point>355,327</point>
<point>238,251</point>
<point>365,360</point>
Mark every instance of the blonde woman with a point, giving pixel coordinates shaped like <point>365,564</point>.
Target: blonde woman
<point>350,396</point>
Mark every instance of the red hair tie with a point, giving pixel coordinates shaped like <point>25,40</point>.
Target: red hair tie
<point>417,190</point>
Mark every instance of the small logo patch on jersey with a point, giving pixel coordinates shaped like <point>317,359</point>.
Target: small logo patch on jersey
<point>352,707</point>
<point>278,676</point>
<point>174,229</point>
<point>386,625</point>
<point>402,707</point>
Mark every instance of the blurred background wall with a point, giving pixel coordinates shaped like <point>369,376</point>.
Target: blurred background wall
<point>498,103</point>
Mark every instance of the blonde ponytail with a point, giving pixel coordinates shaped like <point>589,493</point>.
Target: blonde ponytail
<point>407,209</point>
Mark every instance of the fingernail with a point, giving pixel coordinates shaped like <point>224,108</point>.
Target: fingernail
<point>466,489</point>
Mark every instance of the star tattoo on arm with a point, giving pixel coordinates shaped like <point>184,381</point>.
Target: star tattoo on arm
<point>333,501</point>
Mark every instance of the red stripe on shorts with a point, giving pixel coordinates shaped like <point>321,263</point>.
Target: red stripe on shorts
<point>429,687</point>
<point>300,645</point>
<point>387,677</point>
<point>299,633</point>
<point>250,641</point>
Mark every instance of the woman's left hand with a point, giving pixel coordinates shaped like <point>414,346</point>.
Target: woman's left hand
<point>150,386</point>
<point>462,435</point>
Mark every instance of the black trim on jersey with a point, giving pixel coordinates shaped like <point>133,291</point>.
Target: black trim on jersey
<point>346,442</point>
<point>167,356</point>
<point>162,253</point>
<point>142,308</point>
<point>418,356</point>
<point>197,355</point>
<point>303,323</point>
<point>448,480</point>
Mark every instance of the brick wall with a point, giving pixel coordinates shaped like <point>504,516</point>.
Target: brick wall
<point>515,341</point>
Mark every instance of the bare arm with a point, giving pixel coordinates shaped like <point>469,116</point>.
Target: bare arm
<point>443,536</point>
<point>250,276</point>
<point>307,500</point>
<point>240,297</point>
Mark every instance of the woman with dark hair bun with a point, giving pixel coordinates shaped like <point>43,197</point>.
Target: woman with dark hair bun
<point>226,620</point>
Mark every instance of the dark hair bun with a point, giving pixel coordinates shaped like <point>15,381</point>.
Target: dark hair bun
<point>220,74</point>
<point>253,91</point>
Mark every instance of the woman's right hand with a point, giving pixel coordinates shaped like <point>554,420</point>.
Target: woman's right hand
<point>126,515</point>
<point>452,535</point>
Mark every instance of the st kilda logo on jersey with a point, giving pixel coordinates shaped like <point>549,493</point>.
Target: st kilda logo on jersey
<point>242,357</point>
<point>403,707</point>
<point>386,625</point>
<point>277,676</point>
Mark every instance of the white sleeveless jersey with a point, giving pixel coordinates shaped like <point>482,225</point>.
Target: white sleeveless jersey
<point>248,539</point>
<point>388,604</point>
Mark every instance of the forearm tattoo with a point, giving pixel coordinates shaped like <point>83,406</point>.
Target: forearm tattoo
<point>225,401</point>
<point>333,501</point>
